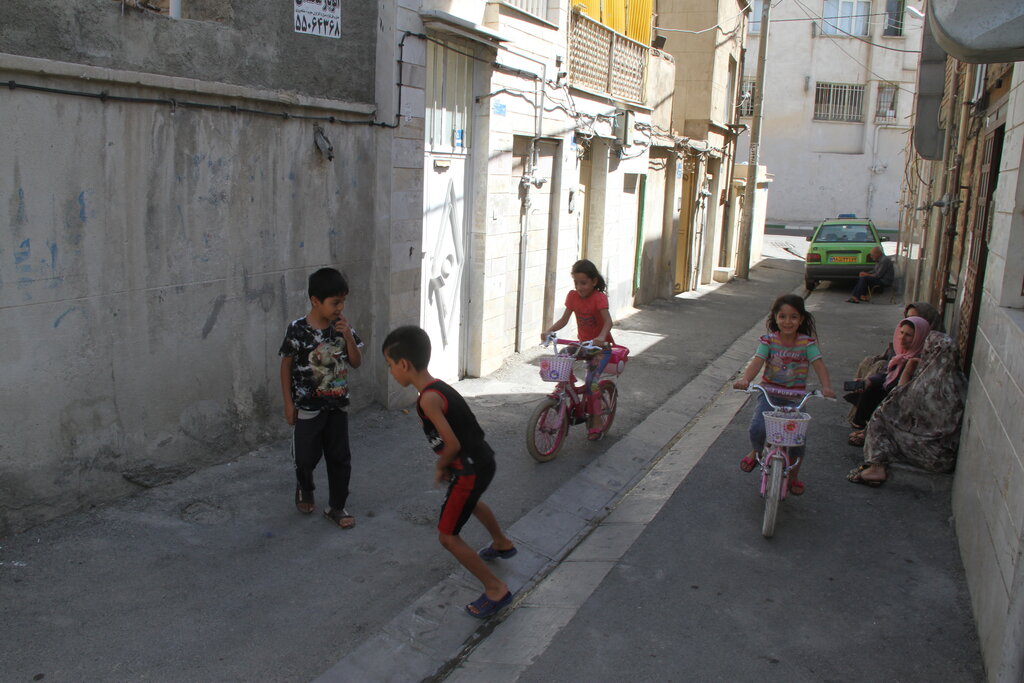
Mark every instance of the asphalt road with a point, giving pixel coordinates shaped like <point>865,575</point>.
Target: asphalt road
<point>216,577</point>
<point>857,584</point>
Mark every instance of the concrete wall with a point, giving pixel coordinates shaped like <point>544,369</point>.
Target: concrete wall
<point>252,44</point>
<point>988,495</point>
<point>153,254</point>
<point>822,168</point>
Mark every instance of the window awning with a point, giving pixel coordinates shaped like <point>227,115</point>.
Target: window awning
<point>443,22</point>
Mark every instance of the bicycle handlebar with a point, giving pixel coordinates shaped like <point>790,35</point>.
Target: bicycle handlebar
<point>552,338</point>
<point>754,388</point>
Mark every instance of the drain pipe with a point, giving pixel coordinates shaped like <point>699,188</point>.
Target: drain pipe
<point>525,201</point>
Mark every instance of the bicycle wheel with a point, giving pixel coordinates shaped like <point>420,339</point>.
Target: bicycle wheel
<point>772,495</point>
<point>545,430</point>
<point>609,402</point>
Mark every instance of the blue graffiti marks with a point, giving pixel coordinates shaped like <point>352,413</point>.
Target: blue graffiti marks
<point>21,216</point>
<point>21,255</point>
<point>31,271</point>
<point>83,215</point>
<point>57,321</point>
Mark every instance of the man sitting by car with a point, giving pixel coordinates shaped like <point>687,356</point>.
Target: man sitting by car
<point>881,276</point>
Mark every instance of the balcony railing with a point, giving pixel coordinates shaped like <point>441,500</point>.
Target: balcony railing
<point>538,8</point>
<point>603,61</point>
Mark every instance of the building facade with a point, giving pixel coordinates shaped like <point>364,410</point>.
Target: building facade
<point>838,94</point>
<point>172,182</point>
<point>546,141</point>
<point>962,236</point>
<point>178,168</point>
<point>707,39</point>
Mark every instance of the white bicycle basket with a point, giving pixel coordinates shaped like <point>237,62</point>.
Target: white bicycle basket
<point>556,368</point>
<point>786,428</point>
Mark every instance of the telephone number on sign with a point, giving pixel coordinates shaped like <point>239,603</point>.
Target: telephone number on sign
<point>321,27</point>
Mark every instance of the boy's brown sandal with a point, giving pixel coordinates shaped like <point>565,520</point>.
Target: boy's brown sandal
<point>340,517</point>
<point>304,502</point>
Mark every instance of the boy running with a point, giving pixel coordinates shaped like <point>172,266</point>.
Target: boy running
<point>465,460</point>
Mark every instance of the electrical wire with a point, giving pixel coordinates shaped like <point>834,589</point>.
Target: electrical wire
<point>863,40</point>
<point>709,28</point>
<point>807,11</point>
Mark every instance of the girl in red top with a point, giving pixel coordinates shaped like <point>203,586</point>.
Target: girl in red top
<point>593,323</point>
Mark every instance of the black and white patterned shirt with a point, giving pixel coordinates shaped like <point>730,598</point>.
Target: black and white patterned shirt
<point>319,365</point>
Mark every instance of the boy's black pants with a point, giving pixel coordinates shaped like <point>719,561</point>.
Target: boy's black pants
<point>325,435</point>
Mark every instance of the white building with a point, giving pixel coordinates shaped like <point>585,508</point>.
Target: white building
<point>539,148</point>
<point>838,98</point>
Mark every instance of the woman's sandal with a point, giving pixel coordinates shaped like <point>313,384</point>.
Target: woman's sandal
<point>748,463</point>
<point>797,487</point>
<point>304,502</point>
<point>855,476</point>
<point>856,437</point>
<point>595,433</point>
<point>340,517</point>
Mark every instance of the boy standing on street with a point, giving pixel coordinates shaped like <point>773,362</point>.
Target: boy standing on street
<point>465,460</point>
<point>314,384</point>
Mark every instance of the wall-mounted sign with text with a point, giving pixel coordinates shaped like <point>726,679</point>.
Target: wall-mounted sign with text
<point>318,17</point>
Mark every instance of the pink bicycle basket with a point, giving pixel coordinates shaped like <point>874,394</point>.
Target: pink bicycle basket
<point>556,368</point>
<point>785,429</point>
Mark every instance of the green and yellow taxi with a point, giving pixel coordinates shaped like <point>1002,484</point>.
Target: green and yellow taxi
<point>840,249</point>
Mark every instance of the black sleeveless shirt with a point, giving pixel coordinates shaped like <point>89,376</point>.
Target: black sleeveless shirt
<point>474,448</point>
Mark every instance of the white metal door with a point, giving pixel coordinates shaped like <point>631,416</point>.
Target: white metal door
<point>444,262</point>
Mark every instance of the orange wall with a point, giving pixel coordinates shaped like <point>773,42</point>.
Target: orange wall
<point>629,17</point>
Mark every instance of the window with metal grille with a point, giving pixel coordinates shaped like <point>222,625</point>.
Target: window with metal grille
<point>745,107</point>
<point>894,17</point>
<point>846,17</point>
<point>885,107</point>
<point>838,102</point>
<point>538,8</point>
<point>754,22</point>
<point>449,98</point>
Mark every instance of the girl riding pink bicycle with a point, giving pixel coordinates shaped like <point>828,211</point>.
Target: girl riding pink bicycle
<point>785,352</point>
<point>589,303</point>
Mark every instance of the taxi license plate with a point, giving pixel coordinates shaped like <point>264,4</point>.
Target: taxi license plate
<point>842,259</point>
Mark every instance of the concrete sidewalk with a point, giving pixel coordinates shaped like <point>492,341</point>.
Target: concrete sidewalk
<point>216,577</point>
<point>676,583</point>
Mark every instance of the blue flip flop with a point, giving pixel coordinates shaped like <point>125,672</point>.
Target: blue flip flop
<point>489,553</point>
<point>485,607</point>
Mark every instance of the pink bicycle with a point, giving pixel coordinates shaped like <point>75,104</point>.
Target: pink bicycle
<point>567,405</point>
<point>785,427</point>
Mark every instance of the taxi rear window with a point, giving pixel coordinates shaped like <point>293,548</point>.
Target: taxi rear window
<point>858,232</point>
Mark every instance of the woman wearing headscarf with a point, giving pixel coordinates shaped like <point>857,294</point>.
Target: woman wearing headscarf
<point>923,309</point>
<point>919,423</point>
<point>907,341</point>
<point>875,364</point>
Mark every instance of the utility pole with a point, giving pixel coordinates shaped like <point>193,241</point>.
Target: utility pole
<point>749,192</point>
